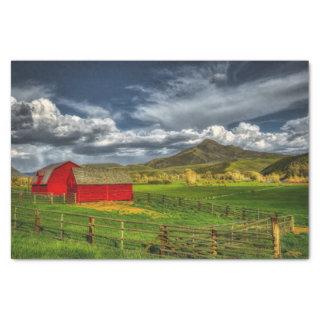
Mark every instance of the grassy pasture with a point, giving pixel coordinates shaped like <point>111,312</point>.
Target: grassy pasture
<point>282,198</point>
<point>289,199</point>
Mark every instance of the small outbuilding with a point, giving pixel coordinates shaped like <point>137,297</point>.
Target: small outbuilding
<point>52,179</point>
<point>89,184</point>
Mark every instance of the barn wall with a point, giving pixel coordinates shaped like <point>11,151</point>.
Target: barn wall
<point>91,193</point>
<point>57,183</point>
<point>116,192</point>
<point>120,192</point>
<point>39,189</point>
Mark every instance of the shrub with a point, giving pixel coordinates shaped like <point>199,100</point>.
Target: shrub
<point>191,177</point>
<point>297,179</point>
<point>255,176</point>
<point>273,177</point>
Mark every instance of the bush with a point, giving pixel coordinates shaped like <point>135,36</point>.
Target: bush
<point>255,176</point>
<point>297,179</point>
<point>191,177</point>
<point>159,181</point>
<point>273,177</point>
<point>234,176</point>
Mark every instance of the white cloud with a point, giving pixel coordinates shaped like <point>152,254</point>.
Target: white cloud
<point>30,92</point>
<point>191,100</point>
<point>41,121</point>
<point>85,108</point>
<point>41,135</point>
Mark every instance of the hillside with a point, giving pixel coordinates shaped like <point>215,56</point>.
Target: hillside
<point>103,165</point>
<point>15,172</point>
<point>290,166</point>
<point>207,151</point>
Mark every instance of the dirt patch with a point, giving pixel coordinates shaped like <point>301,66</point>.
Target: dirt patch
<point>298,230</point>
<point>123,208</point>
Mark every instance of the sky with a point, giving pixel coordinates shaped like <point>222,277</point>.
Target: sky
<point>132,112</point>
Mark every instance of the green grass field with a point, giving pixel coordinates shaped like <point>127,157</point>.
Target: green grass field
<point>286,199</point>
<point>283,198</point>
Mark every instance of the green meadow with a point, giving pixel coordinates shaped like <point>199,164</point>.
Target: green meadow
<point>286,199</point>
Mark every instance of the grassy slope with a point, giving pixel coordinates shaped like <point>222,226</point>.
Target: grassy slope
<point>242,165</point>
<point>286,198</point>
<point>288,165</point>
<point>30,246</point>
<point>251,164</point>
<point>292,199</point>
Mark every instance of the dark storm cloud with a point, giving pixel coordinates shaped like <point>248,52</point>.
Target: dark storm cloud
<point>40,121</point>
<point>133,111</point>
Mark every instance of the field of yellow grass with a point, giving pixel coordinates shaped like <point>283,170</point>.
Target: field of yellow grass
<point>123,208</point>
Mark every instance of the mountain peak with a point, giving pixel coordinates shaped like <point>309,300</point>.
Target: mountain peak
<point>208,142</point>
<point>207,151</point>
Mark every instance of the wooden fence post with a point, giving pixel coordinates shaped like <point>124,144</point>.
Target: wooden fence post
<point>75,198</point>
<point>276,236</point>
<point>61,227</point>
<point>35,198</point>
<point>37,221</point>
<point>163,239</point>
<point>51,198</point>
<point>214,242</point>
<point>91,229</point>
<point>15,218</point>
<point>64,198</point>
<point>246,238</point>
<point>292,224</point>
<point>121,235</point>
<point>244,214</point>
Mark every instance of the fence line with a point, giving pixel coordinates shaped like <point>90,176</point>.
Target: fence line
<point>179,203</point>
<point>151,199</point>
<point>259,239</point>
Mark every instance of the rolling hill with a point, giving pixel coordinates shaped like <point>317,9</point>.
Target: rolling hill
<point>15,172</point>
<point>205,152</point>
<point>290,166</point>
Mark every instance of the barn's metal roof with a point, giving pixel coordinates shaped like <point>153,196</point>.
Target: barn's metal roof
<point>96,175</point>
<point>46,172</point>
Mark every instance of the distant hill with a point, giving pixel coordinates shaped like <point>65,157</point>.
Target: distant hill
<point>290,166</point>
<point>103,165</point>
<point>205,152</point>
<point>15,172</point>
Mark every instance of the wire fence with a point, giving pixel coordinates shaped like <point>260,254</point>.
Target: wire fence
<point>255,239</point>
<point>166,202</point>
<point>27,197</point>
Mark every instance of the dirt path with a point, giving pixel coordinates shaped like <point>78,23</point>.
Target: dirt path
<point>300,229</point>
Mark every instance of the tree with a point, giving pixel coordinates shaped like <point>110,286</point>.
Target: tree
<point>273,177</point>
<point>208,175</point>
<point>255,176</point>
<point>191,177</point>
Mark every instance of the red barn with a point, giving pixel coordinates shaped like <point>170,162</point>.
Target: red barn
<point>53,178</point>
<point>99,184</point>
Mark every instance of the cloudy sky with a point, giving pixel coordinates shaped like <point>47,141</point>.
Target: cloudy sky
<point>131,112</point>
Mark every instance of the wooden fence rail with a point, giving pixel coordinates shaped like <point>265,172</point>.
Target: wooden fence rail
<point>255,239</point>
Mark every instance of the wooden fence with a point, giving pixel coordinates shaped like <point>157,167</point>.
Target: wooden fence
<point>255,239</point>
<point>27,197</point>
<point>159,201</point>
<point>178,203</point>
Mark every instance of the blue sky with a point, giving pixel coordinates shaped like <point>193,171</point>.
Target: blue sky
<point>131,112</point>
